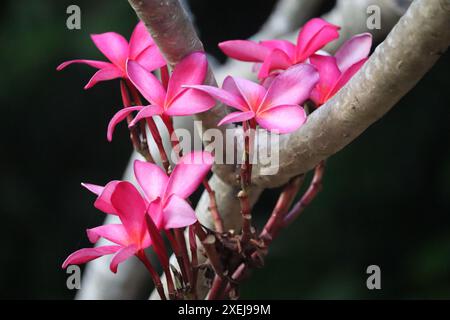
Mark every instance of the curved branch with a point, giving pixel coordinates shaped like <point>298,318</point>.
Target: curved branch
<point>420,37</point>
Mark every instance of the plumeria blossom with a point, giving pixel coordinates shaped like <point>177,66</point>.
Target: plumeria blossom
<point>176,100</point>
<point>163,198</point>
<point>276,108</point>
<point>116,48</point>
<point>335,71</point>
<point>281,54</point>
<point>129,237</point>
<point>167,195</point>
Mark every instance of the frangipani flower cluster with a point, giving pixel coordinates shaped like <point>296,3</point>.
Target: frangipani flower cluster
<point>289,75</point>
<point>163,198</point>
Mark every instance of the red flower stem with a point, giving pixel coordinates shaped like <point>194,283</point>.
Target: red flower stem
<point>155,276</point>
<point>245,175</point>
<point>160,250</point>
<point>282,206</point>
<point>181,240</point>
<point>310,194</point>
<point>194,259</point>
<point>218,287</point>
<point>164,72</point>
<point>176,250</point>
<point>140,145</point>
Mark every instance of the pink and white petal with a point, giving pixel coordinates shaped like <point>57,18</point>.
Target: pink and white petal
<point>88,254</point>
<point>190,102</point>
<point>292,87</point>
<point>222,95</point>
<point>252,92</point>
<point>146,112</point>
<point>131,209</point>
<point>113,46</point>
<point>94,188</point>
<point>103,201</point>
<point>140,40</point>
<point>104,75</point>
<point>314,35</point>
<point>151,58</point>
<point>282,119</point>
<point>345,77</point>
<point>191,70</point>
<point>178,213</point>
<point>244,50</point>
<point>283,45</point>
<point>113,232</point>
<point>122,255</point>
<point>118,117</point>
<point>91,63</point>
<point>188,174</point>
<point>237,117</point>
<point>328,76</point>
<point>151,178</point>
<point>353,50</point>
<point>277,60</point>
<point>146,83</point>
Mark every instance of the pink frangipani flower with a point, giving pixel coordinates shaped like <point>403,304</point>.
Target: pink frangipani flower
<point>336,71</point>
<point>276,108</point>
<point>167,195</point>
<point>163,198</point>
<point>130,237</point>
<point>115,47</point>
<point>177,100</point>
<point>281,54</point>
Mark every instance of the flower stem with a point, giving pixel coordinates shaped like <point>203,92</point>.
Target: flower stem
<point>155,277</point>
<point>310,194</point>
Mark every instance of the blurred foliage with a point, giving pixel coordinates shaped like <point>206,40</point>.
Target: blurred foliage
<point>386,197</point>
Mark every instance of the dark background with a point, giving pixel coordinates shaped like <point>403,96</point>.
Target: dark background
<point>386,198</point>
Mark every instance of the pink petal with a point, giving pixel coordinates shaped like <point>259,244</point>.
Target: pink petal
<point>151,178</point>
<point>113,46</point>
<point>252,92</point>
<point>178,213</point>
<point>146,83</point>
<point>329,75</point>
<point>113,232</point>
<point>87,254</point>
<point>282,119</point>
<point>190,102</point>
<point>131,208</point>
<point>122,255</point>
<point>118,117</point>
<point>96,189</point>
<point>314,35</point>
<point>224,96</point>
<point>191,70</point>
<point>237,117</point>
<point>346,76</point>
<point>151,58</point>
<point>291,87</point>
<point>92,63</point>
<point>146,112</point>
<point>244,50</point>
<point>104,75</point>
<point>156,214</point>
<point>191,169</point>
<point>103,201</point>
<point>283,45</point>
<point>353,50</point>
<point>140,40</point>
<point>277,60</point>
